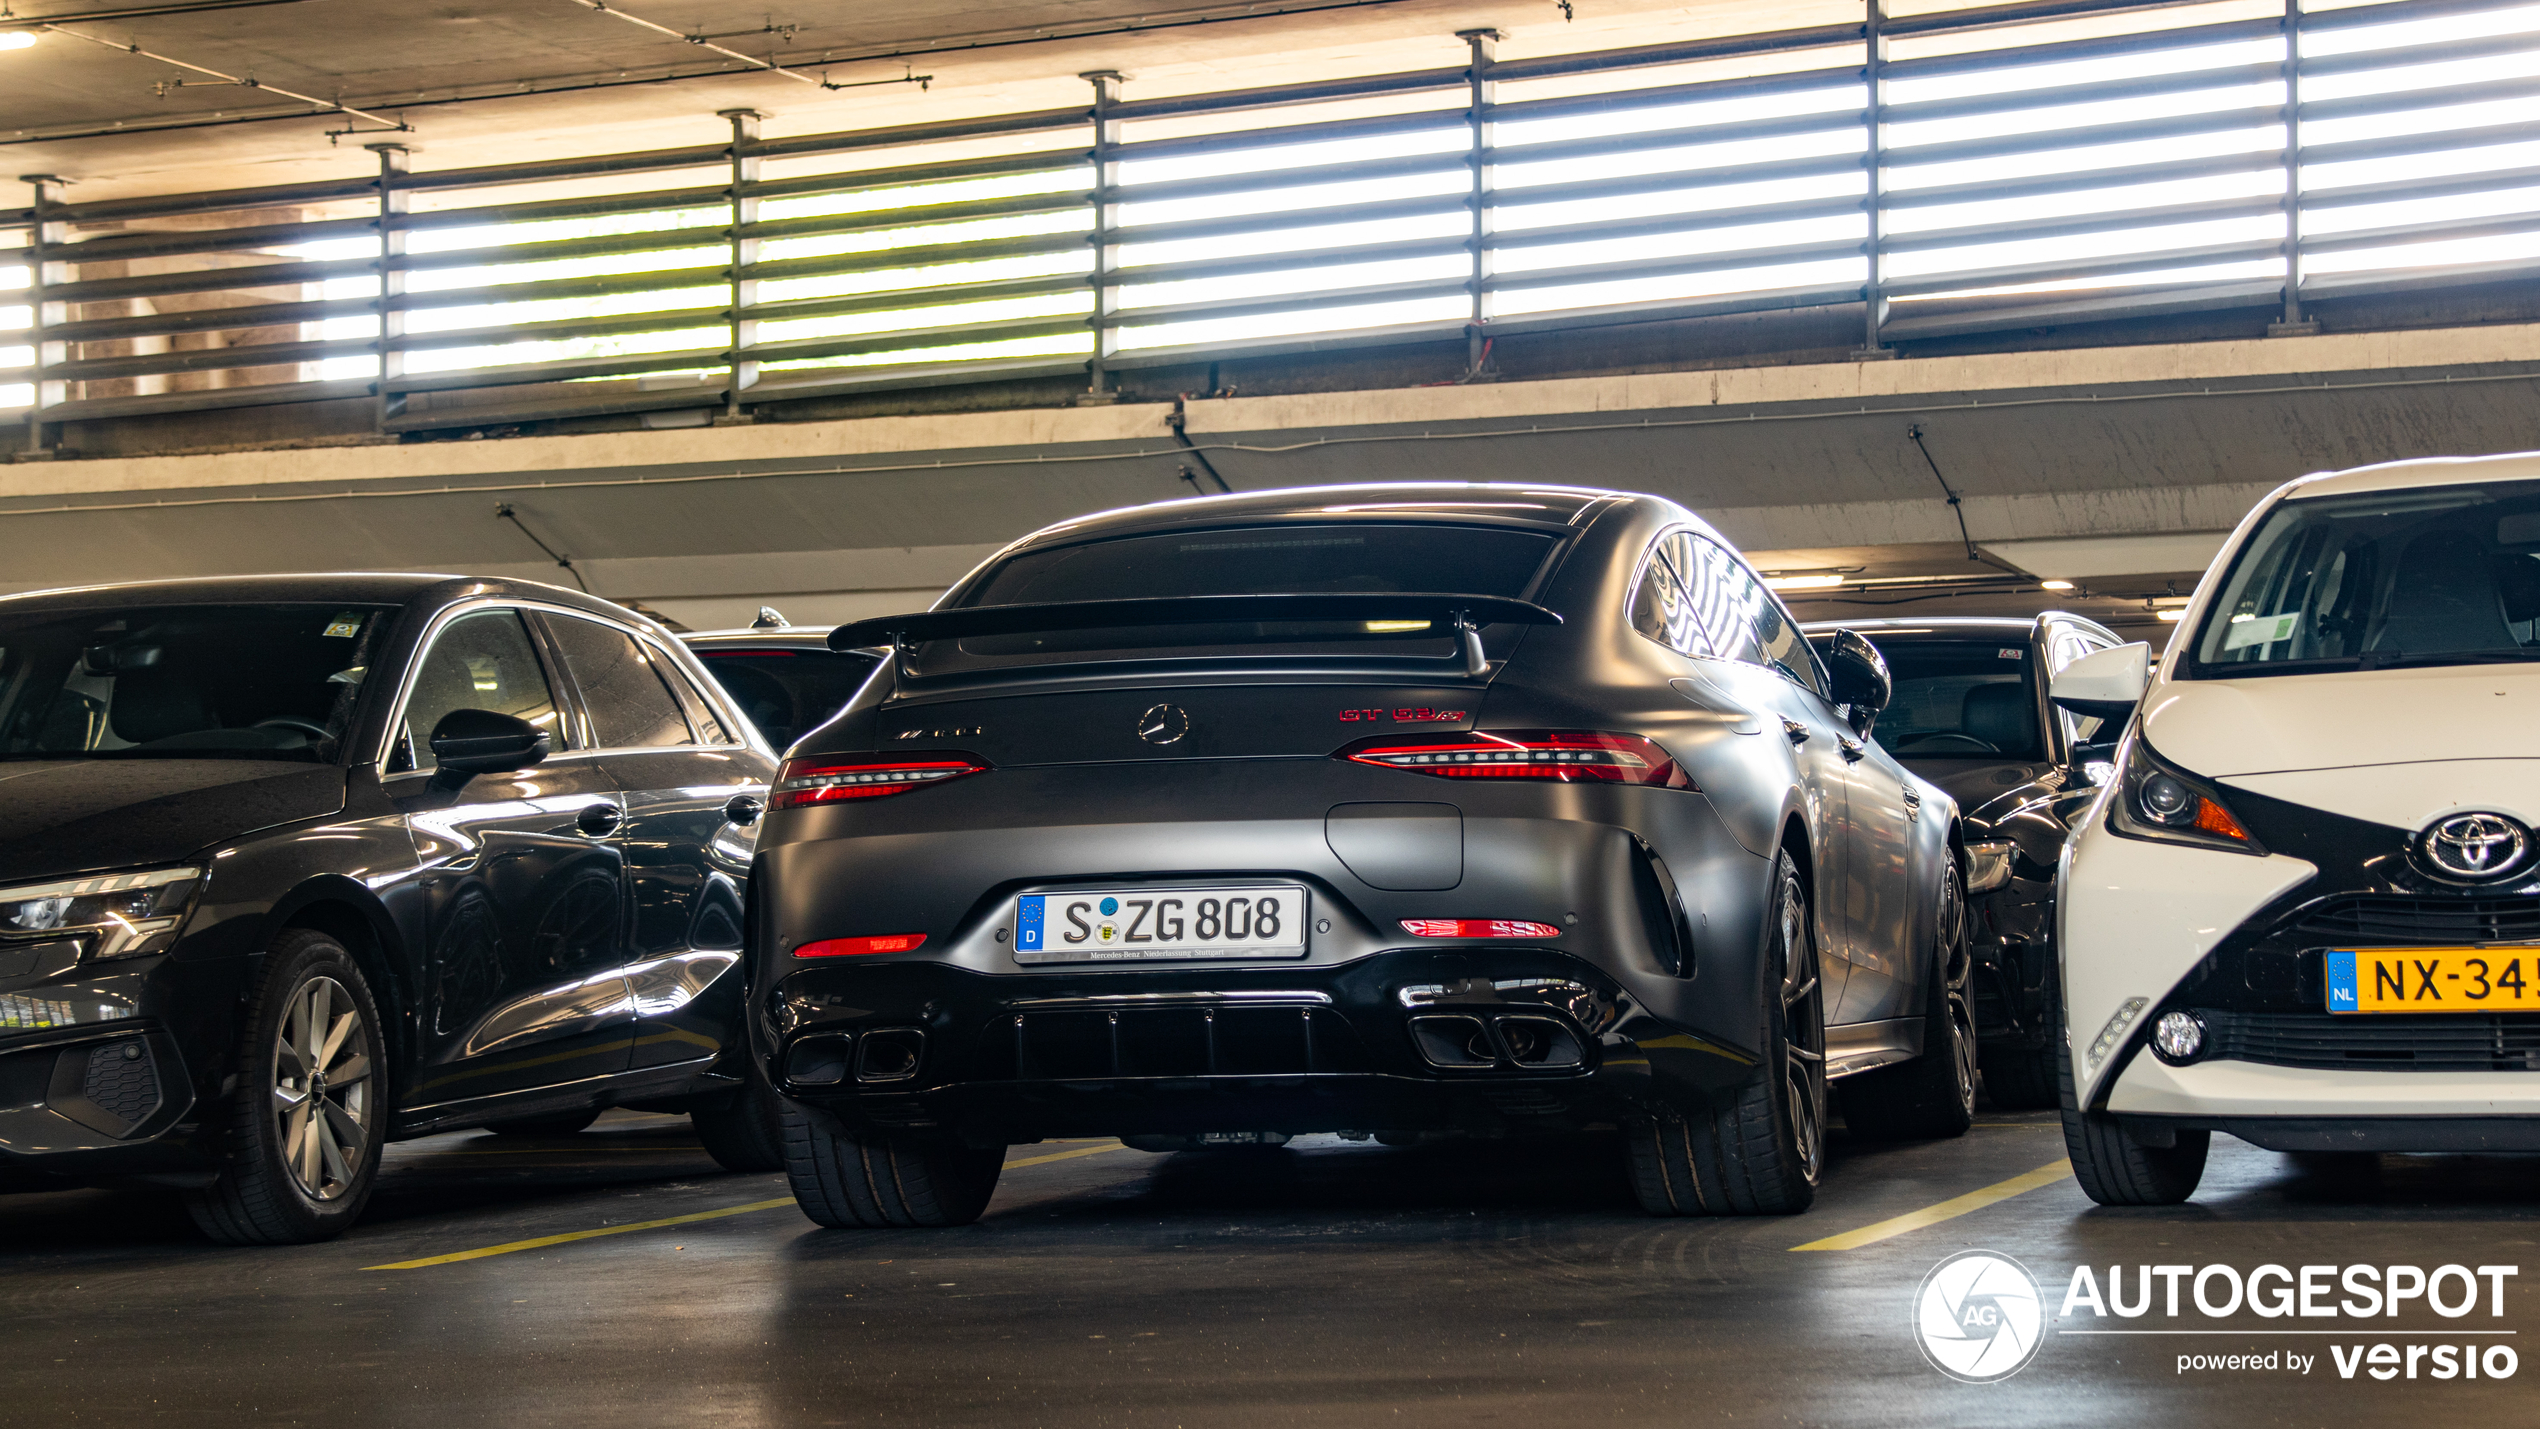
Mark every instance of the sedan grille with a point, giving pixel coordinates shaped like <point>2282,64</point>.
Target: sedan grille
<point>2396,1043</point>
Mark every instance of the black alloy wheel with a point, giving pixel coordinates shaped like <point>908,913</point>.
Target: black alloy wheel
<point>1932,1097</point>
<point>1761,1150</point>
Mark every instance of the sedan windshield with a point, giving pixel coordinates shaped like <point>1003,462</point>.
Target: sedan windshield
<point>184,681</point>
<point>2440,576</point>
<point>1965,698</point>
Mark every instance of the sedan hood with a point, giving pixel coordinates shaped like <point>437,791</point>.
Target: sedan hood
<point>2282,723</point>
<point>61,817</point>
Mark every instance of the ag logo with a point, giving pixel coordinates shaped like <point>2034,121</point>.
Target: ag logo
<point>1979,1317</point>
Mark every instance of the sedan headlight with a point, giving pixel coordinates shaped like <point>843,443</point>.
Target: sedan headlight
<point>115,915</point>
<point>2154,801</point>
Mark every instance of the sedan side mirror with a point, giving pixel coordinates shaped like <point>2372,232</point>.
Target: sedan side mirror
<point>2105,684</point>
<point>471,742</point>
<point>1861,680</point>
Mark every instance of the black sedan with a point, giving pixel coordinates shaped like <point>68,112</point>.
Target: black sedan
<point>1395,810</point>
<point>1970,715</point>
<point>784,677</point>
<point>297,866</point>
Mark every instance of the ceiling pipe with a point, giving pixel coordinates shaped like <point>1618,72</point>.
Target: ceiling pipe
<point>328,106</point>
<point>11,20</point>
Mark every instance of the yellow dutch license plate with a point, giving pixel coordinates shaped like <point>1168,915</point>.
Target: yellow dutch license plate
<point>2433,979</point>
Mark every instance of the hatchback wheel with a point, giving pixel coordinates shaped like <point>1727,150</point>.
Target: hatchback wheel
<point>1761,1150</point>
<point>308,1110</point>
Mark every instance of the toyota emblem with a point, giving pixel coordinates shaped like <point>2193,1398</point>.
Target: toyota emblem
<point>2474,847</point>
<point>1163,724</point>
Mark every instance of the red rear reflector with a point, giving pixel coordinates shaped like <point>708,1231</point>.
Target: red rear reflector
<point>853,947</point>
<point>1560,755</point>
<point>832,780</point>
<point>1477,928</point>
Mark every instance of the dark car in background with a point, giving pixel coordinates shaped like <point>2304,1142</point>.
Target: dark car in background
<point>295,866</point>
<point>1398,810</point>
<point>1970,714</point>
<point>784,677</point>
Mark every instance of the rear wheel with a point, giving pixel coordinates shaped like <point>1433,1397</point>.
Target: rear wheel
<point>846,1182</point>
<point>1934,1095</point>
<point>2116,1170</point>
<point>563,1123</point>
<point>746,1133</point>
<point>307,1112</point>
<point>1760,1151</point>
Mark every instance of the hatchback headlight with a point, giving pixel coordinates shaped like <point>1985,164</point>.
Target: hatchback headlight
<point>115,915</point>
<point>2166,805</point>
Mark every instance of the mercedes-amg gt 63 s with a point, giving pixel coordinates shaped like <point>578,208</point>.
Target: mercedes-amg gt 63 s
<point>1403,810</point>
<point>295,866</point>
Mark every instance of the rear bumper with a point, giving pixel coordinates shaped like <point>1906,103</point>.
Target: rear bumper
<point>1480,1041</point>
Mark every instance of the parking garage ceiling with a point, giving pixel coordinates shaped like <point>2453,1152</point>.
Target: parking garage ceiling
<point>481,83</point>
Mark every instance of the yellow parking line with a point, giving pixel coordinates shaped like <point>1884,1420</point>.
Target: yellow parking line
<point>1951,1209</point>
<point>541,1242</point>
<point>548,1240</point>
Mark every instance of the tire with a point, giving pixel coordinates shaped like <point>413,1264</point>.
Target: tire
<point>1759,1152</point>
<point>746,1134</point>
<point>1932,1097</point>
<point>2116,1170</point>
<point>845,1182</point>
<point>301,1150</point>
<point>563,1123</point>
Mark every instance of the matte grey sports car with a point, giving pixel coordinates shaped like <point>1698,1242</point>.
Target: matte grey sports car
<point>1403,810</point>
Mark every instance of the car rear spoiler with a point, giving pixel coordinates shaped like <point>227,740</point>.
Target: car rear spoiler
<point>1466,614</point>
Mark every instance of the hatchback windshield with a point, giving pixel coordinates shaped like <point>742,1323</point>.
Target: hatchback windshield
<point>2441,576</point>
<point>183,682</point>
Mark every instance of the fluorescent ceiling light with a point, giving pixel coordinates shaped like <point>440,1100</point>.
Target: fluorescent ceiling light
<point>2056,585</point>
<point>2171,615</point>
<point>16,39</point>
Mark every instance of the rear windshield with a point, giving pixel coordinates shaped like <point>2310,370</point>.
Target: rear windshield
<point>2441,576</point>
<point>184,682</point>
<point>1360,557</point>
<point>788,692</point>
<point>1967,699</point>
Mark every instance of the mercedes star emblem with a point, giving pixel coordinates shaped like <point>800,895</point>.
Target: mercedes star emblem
<point>1163,724</point>
<point>2474,846</point>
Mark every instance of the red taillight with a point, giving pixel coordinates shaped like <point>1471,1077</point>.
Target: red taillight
<point>857,947</point>
<point>1477,928</point>
<point>1562,755</point>
<point>830,780</point>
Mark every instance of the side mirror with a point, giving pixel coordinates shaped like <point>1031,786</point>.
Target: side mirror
<point>472,742</point>
<point>1860,677</point>
<point>2106,684</point>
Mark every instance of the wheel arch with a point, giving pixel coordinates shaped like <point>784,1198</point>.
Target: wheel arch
<point>343,909</point>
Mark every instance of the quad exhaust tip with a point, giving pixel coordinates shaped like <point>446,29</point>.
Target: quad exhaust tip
<point>1459,1042</point>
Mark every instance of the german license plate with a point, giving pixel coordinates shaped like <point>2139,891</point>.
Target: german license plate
<point>2433,979</point>
<point>1160,924</point>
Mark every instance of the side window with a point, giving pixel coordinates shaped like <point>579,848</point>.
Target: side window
<point>1661,608</point>
<point>1746,623</point>
<point>700,709</point>
<point>630,707</point>
<point>480,661</point>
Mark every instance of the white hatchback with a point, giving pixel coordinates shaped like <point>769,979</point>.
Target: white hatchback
<point>2305,911</point>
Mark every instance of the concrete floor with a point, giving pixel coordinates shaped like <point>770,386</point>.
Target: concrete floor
<point>1328,1283</point>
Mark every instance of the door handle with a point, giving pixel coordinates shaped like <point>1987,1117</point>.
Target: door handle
<point>1852,749</point>
<point>743,810</point>
<point>599,820</point>
<point>1798,732</point>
